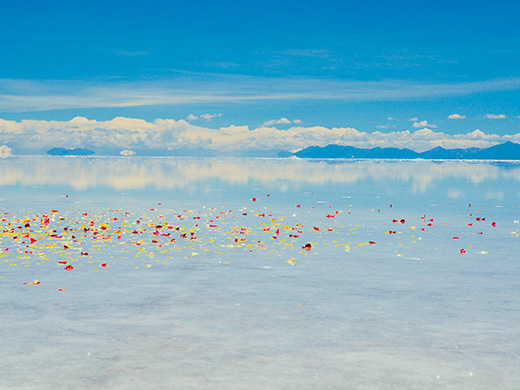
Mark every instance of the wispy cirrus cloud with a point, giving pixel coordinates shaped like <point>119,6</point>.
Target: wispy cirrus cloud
<point>313,53</point>
<point>25,95</point>
<point>132,53</point>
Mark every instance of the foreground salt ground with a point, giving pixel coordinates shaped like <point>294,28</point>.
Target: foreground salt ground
<point>305,295</point>
<point>416,309</point>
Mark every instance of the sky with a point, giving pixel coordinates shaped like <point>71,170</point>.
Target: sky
<point>248,75</point>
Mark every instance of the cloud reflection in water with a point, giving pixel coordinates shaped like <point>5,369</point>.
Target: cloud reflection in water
<point>121,173</point>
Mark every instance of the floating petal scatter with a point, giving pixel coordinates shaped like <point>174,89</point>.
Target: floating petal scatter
<point>76,240</point>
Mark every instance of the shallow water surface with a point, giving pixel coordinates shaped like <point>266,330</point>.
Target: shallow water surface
<point>190,273</point>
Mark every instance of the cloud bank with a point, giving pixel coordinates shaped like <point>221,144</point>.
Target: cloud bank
<point>169,134</point>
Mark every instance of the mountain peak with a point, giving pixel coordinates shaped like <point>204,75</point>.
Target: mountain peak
<point>70,152</point>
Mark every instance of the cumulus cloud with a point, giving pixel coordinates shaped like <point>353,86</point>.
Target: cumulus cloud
<point>5,151</point>
<point>495,116</point>
<point>127,152</point>
<point>281,121</point>
<point>414,119</point>
<point>169,134</point>
<point>203,117</point>
<point>477,134</point>
<point>423,124</point>
<point>426,134</point>
<point>209,117</point>
<point>456,116</point>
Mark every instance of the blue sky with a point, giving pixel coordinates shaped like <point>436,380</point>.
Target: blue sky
<point>305,64</point>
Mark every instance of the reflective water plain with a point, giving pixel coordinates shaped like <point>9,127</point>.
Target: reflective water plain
<point>191,273</point>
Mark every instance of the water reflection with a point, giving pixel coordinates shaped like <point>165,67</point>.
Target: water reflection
<point>120,173</point>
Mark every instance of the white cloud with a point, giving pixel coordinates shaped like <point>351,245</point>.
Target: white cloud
<point>427,134</point>
<point>413,119</point>
<point>456,116</point>
<point>281,121</point>
<point>5,151</point>
<point>127,152</point>
<point>477,134</point>
<point>203,117</point>
<point>394,119</point>
<point>423,124</point>
<point>297,121</point>
<point>209,117</point>
<point>169,134</point>
<point>495,116</point>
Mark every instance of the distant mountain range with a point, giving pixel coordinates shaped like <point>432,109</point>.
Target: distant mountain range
<point>505,151</point>
<point>70,152</point>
